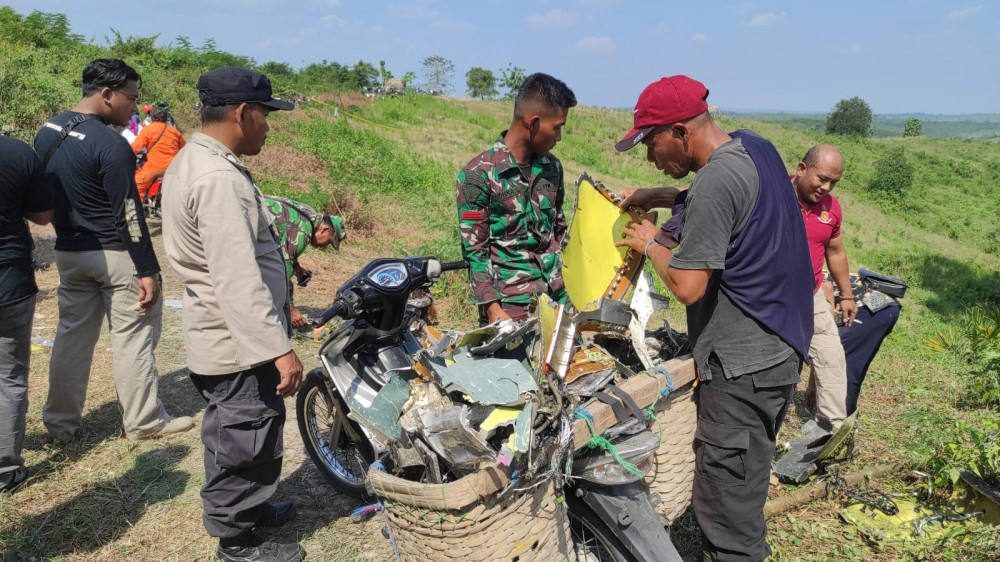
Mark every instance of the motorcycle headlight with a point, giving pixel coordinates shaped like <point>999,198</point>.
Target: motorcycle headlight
<point>601,467</point>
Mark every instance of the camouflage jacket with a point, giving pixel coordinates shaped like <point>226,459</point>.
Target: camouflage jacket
<point>294,222</point>
<point>512,227</point>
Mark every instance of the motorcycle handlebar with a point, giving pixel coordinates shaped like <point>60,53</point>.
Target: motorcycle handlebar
<point>336,310</point>
<point>454,265</point>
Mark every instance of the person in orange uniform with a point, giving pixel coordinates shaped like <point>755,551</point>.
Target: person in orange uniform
<point>161,143</point>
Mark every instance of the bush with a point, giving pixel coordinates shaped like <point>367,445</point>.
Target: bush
<point>893,176</point>
<point>976,341</point>
<point>850,117</point>
<point>913,128</point>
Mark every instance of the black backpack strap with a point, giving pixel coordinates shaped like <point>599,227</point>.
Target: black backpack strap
<point>63,133</point>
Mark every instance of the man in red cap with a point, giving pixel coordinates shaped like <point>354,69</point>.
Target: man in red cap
<point>742,269</point>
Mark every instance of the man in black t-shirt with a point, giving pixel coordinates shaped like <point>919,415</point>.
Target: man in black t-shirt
<point>23,195</point>
<point>106,263</point>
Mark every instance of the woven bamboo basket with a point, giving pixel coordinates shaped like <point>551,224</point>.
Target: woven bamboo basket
<point>469,520</point>
<point>673,473</point>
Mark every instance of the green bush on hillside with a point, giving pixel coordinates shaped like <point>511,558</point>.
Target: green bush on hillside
<point>893,175</point>
<point>850,117</point>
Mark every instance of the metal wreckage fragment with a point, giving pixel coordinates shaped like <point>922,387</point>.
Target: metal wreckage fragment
<point>504,393</point>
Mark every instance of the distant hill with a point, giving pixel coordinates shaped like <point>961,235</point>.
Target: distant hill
<point>976,126</point>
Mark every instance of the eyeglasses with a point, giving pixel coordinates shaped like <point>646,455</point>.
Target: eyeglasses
<point>128,97</point>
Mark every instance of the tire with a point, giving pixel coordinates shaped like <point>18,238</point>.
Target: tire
<point>344,464</point>
<point>593,541</point>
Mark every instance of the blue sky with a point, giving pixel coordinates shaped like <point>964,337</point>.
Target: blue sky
<point>899,55</point>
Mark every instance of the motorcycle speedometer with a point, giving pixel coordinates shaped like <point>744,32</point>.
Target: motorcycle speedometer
<point>389,276</point>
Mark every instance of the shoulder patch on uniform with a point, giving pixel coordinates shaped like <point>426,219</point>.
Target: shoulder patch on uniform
<point>473,186</point>
<point>474,215</point>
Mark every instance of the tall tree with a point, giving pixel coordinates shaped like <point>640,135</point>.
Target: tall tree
<point>850,117</point>
<point>481,83</point>
<point>511,79</point>
<point>409,78</point>
<point>439,73</point>
<point>913,128</point>
<point>384,74</point>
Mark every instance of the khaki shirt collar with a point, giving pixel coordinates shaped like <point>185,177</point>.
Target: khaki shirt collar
<point>216,147</point>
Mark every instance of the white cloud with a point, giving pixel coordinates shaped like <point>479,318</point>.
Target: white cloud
<point>744,8</point>
<point>266,43</point>
<point>454,25</point>
<point>553,19</point>
<point>856,47</point>
<point>412,11</point>
<point>766,19</point>
<point>699,37</point>
<point>334,19</point>
<point>659,30</point>
<point>596,45</point>
<point>965,12</point>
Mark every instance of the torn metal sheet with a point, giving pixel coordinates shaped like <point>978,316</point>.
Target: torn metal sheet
<point>448,432</point>
<point>501,416</point>
<point>486,333</point>
<point>432,469</point>
<point>382,417</point>
<point>816,447</point>
<point>593,267</point>
<point>486,380</point>
<point>973,494</point>
<point>610,315</point>
<point>505,339</point>
<point>522,429</point>
<point>912,520</point>
<point>642,308</point>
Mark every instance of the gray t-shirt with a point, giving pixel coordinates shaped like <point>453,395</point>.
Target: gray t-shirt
<point>719,204</point>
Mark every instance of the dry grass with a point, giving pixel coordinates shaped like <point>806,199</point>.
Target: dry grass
<point>106,498</point>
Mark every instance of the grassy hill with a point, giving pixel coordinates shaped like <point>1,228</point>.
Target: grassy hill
<point>388,167</point>
<point>974,127</point>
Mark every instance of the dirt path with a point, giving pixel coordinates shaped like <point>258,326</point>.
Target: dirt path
<point>106,498</point>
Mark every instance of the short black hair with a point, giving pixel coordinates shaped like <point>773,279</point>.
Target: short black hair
<point>216,113</point>
<point>107,73</point>
<point>159,113</point>
<point>547,90</point>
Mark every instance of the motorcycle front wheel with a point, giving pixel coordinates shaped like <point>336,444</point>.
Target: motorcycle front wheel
<point>592,540</point>
<point>344,463</point>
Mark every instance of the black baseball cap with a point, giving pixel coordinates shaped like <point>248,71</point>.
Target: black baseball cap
<point>231,85</point>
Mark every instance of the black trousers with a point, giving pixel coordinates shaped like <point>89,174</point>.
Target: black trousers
<point>862,341</point>
<point>242,434</point>
<point>738,422</point>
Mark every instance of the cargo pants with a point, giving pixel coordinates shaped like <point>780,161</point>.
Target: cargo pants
<point>15,354</point>
<point>242,433</point>
<point>738,422</point>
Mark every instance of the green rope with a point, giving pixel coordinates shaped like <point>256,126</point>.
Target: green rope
<point>603,443</point>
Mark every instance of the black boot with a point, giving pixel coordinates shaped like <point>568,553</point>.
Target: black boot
<point>251,548</point>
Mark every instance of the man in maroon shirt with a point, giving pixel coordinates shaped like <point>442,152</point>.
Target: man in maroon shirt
<point>815,177</point>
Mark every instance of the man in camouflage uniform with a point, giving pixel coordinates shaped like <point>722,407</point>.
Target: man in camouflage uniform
<point>510,200</point>
<point>300,226</point>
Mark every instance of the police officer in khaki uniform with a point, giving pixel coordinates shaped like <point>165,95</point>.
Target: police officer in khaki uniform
<point>236,316</point>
